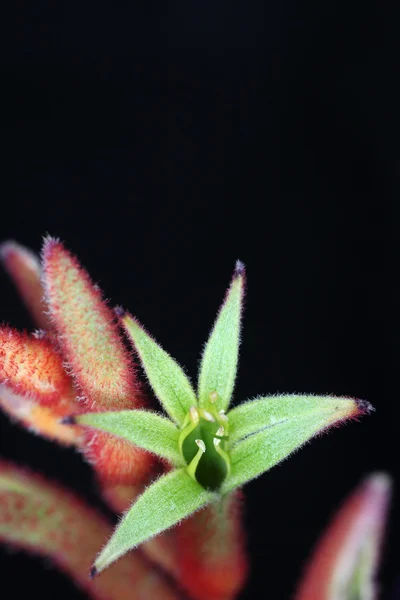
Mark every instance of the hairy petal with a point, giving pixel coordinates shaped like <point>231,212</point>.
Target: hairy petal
<point>345,560</point>
<point>42,420</point>
<point>23,267</point>
<point>101,366</point>
<point>253,416</point>
<point>44,519</point>
<point>260,452</point>
<point>211,556</point>
<point>166,377</point>
<point>117,461</point>
<point>167,501</point>
<point>34,388</point>
<point>30,366</point>
<point>118,496</point>
<point>144,428</point>
<point>88,334</point>
<point>220,358</point>
<point>162,549</point>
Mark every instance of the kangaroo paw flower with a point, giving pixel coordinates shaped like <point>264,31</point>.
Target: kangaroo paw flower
<point>87,332</point>
<point>45,519</point>
<point>211,450</point>
<point>99,362</point>
<point>345,560</point>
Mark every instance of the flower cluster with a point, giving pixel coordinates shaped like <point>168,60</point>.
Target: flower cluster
<point>74,382</point>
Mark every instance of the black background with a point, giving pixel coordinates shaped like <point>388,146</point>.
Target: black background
<point>161,142</point>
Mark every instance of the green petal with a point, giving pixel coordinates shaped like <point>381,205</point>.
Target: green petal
<point>143,428</point>
<point>293,427</point>
<point>255,415</point>
<point>170,499</point>
<point>166,377</point>
<point>220,357</point>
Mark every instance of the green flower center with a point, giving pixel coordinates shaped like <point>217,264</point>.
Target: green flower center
<point>203,443</point>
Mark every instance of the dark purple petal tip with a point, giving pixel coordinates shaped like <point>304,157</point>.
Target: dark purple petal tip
<point>119,312</point>
<point>93,572</point>
<point>364,406</point>
<point>69,420</point>
<point>239,269</point>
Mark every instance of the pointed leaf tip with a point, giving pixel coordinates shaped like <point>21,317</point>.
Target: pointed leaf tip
<point>119,312</point>
<point>240,269</point>
<point>364,406</point>
<point>70,420</point>
<point>93,572</point>
<point>220,357</point>
<point>87,331</point>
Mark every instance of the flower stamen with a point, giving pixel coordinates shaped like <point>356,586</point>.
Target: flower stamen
<point>203,443</point>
